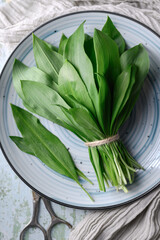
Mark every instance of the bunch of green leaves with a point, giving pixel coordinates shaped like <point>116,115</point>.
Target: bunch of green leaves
<point>89,85</point>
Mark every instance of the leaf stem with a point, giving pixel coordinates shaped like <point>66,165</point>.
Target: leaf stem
<point>86,192</point>
<point>81,174</point>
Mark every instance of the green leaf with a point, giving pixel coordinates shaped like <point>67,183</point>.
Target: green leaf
<point>121,87</point>
<point>62,44</point>
<point>75,53</point>
<point>139,57</point>
<point>70,84</point>
<point>128,101</point>
<point>125,113</point>
<point>22,72</point>
<point>87,39</point>
<point>113,33</point>
<point>100,42</point>
<point>84,122</point>
<point>46,59</point>
<point>46,146</point>
<point>49,45</point>
<point>130,87</point>
<point>104,114</point>
<point>23,144</point>
<point>72,102</point>
<point>107,56</point>
<point>81,174</point>
<point>47,103</point>
<point>44,101</point>
<point>89,49</point>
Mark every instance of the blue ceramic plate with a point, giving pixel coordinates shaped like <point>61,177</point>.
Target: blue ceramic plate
<point>141,133</point>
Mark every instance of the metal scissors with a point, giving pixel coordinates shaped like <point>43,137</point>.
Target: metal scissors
<point>34,221</point>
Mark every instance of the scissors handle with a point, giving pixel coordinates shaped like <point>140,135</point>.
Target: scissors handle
<point>54,219</point>
<point>34,221</point>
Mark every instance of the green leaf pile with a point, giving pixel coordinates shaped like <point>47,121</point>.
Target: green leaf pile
<point>89,85</point>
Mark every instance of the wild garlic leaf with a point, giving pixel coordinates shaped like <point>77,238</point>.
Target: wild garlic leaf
<point>89,49</point>
<point>120,89</point>
<point>84,122</point>
<point>139,57</point>
<point>43,143</point>
<point>62,44</point>
<point>44,101</point>
<point>73,124</point>
<point>22,72</point>
<point>130,103</point>
<point>81,174</point>
<point>75,54</point>
<point>104,114</point>
<point>70,83</point>
<point>52,47</point>
<point>130,87</point>
<point>102,66</point>
<point>46,59</point>
<point>72,102</point>
<point>107,56</point>
<point>23,144</point>
<point>101,52</point>
<point>113,33</point>
<point>49,45</point>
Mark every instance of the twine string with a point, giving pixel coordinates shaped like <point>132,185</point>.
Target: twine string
<point>103,141</point>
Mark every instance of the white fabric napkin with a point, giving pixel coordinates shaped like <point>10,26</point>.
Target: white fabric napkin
<point>18,18</point>
<point>137,221</point>
<point>141,219</point>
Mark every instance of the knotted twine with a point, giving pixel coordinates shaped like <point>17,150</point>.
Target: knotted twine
<point>103,141</point>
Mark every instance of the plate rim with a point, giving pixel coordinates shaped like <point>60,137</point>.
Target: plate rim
<point>1,145</point>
